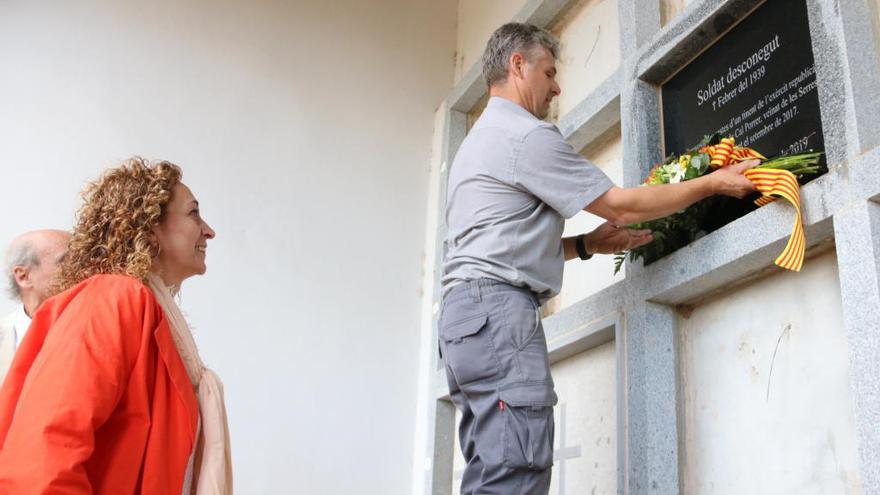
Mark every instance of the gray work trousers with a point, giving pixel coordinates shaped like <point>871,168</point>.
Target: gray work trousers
<point>495,351</point>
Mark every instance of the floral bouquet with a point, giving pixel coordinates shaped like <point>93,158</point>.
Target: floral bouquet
<point>776,177</point>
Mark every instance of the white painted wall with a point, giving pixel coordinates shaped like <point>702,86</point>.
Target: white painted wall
<point>304,128</point>
<point>589,34</point>
<point>747,430</point>
<point>587,388</point>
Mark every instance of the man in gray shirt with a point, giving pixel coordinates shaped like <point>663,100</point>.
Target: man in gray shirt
<point>512,184</point>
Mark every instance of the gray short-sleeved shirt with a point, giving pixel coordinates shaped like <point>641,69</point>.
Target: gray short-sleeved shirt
<point>512,184</point>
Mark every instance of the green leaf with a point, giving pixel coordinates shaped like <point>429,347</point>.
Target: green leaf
<point>693,170</point>
<point>619,258</point>
<point>705,159</point>
<point>711,140</point>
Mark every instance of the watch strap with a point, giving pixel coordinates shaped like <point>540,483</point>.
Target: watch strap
<point>581,248</point>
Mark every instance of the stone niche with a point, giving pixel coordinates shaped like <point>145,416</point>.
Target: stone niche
<point>585,443</point>
<point>589,29</point>
<point>585,459</point>
<point>756,83</point>
<point>477,20</point>
<point>582,279</point>
<point>476,111</point>
<point>589,34</point>
<point>766,392</point>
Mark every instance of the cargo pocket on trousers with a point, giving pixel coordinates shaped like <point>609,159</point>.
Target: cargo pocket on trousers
<point>469,350</point>
<point>528,428</point>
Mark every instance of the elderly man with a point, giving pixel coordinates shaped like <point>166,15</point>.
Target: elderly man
<point>512,184</point>
<point>31,263</point>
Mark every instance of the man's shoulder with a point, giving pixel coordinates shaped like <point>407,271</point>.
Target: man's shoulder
<point>543,133</point>
<point>521,130</point>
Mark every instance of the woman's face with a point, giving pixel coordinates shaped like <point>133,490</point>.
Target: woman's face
<point>183,238</point>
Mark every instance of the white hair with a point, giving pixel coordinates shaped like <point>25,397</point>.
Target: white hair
<point>22,253</point>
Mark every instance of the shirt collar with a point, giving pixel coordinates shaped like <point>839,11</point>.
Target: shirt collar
<point>498,102</point>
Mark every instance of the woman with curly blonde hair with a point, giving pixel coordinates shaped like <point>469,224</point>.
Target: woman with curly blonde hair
<point>107,393</point>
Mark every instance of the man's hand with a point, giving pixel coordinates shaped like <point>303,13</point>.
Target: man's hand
<point>609,239</point>
<point>730,180</point>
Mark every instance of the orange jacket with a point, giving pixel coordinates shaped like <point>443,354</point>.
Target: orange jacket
<point>97,399</point>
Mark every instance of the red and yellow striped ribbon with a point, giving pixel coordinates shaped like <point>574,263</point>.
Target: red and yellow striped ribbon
<point>726,152</point>
<point>720,153</point>
<point>742,154</point>
<point>772,183</point>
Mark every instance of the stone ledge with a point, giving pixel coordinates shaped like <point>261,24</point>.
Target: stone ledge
<point>542,12</point>
<point>468,91</point>
<point>687,36</point>
<point>601,306</point>
<point>594,115</point>
<point>583,337</point>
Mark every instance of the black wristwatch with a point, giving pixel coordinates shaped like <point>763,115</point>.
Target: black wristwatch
<point>581,248</point>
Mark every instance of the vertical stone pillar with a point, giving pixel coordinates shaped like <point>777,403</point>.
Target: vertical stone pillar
<point>652,405</point>
<point>857,235</point>
<point>651,440</point>
<point>847,74</point>
<point>444,448</point>
<point>639,101</point>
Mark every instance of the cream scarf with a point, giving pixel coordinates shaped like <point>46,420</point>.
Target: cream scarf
<point>213,458</point>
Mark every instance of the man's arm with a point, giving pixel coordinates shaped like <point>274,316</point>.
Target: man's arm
<point>639,204</point>
<point>568,249</point>
<point>607,239</point>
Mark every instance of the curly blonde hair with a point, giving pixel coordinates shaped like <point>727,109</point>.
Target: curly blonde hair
<point>114,227</point>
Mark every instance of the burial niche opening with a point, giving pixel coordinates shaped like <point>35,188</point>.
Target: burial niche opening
<point>756,84</point>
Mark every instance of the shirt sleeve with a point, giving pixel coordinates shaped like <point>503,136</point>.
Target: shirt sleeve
<point>548,167</point>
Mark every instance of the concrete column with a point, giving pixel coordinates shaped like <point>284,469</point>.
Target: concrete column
<point>444,447</point>
<point>639,21</point>
<point>857,234</point>
<point>652,400</point>
<point>847,75</point>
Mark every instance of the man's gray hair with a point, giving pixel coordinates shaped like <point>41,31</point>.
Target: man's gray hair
<point>514,37</point>
<point>22,253</point>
